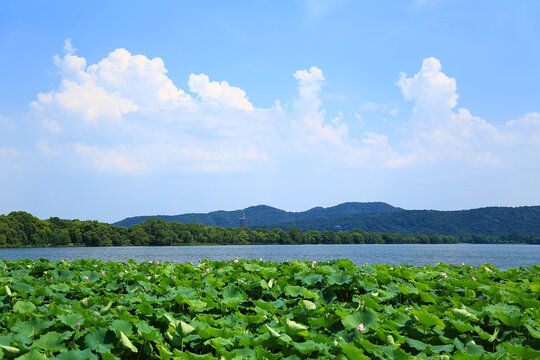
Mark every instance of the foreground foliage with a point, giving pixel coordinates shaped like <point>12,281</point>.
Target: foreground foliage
<point>241,309</point>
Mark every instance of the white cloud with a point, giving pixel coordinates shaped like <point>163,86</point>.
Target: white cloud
<point>438,131</point>
<point>309,120</point>
<point>51,125</point>
<point>524,131</point>
<point>119,84</point>
<point>109,160</point>
<point>220,92</point>
<point>125,115</point>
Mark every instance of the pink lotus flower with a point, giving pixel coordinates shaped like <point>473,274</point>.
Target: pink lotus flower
<point>103,273</point>
<point>236,260</point>
<point>126,271</point>
<point>78,324</point>
<point>208,270</point>
<point>444,275</point>
<point>361,327</point>
<point>51,277</point>
<point>462,263</point>
<point>473,278</point>
<point>362,302</point>
<point>85,277</point>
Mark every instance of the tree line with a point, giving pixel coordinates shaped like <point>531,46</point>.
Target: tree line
<point>21,229</point>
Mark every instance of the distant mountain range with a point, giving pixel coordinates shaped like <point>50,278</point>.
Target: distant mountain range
<point>263,214</point>
<point>372,216</point>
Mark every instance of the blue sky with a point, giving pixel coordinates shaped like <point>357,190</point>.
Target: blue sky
<point>115,109</point>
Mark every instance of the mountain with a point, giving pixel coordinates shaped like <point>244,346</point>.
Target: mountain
<point>263,214</point>
<point>489,221</point>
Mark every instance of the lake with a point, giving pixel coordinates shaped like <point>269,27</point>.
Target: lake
<point>500,255</point>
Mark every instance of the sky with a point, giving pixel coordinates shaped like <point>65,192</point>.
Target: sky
<point>110,109</point>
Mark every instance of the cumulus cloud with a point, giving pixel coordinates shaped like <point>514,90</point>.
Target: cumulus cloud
<point>221,92</point>
<point>309,120</point>
<point>438,130</point>
<point>125,115</point>
<point>119,84</point>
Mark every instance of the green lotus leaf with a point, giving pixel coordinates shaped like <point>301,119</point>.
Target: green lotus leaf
<point>426,319</point>
<point>366,345</point>
<point>428,298</point>
<point>24,307</point>
<point>61,287</point>
<point>294,328</point>
<point>262,353</point>
<point>292,291</point>
<point>407,289</point>
<point>272,332</point>
<point>100,340</point>
<point>144,308</point>
<point>218,342</point>
<point>339,278</point>
<point>127,343</point>
<point>464,314</point>
<point>417,344</point>
<point>474,349</point>
<point>77,355</point>
<point>308,305</point>
<point>186,328</point>
<point>461,326</point>
<point>535,333</point>
<point>195,304</point>
<point>442,348</point>
<point>72,319</point>
<point>311,279</point>
<point>52,341</point>
<point>149,333</point>
<point>365,316</point>
<point>32,355</point>
<point>244,353</point>
<point>351,352</point>
<point>63,274</point>
<point>308,347</point>
<point>124,326</point>
<point>521,352</point>
<point>9,349</point>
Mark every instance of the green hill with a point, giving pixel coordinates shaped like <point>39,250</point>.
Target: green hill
<point>490,221</point>
<point>262,214</point>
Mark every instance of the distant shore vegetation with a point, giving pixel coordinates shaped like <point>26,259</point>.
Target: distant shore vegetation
<point>21,229</point>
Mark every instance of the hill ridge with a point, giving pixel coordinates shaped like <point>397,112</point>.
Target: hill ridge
<point>265,214</point>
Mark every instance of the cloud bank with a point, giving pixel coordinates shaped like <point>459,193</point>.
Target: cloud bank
<point>125,115</point>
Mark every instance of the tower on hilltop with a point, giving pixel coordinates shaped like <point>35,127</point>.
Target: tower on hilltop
<point>243,220</point>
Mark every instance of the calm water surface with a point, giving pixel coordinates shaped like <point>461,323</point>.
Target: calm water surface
<point>502,256</point>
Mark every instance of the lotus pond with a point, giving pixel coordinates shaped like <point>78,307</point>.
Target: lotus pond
<point>242,309</point>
